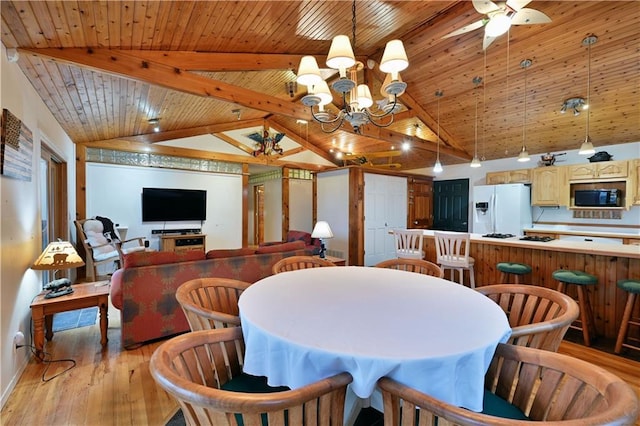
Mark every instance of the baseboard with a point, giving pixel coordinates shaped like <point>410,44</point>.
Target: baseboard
<point>24,361</point>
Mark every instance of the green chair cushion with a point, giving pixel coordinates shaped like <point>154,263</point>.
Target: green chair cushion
<point>632,286</point>
<point>251,384</point>
<point>514,268</point>
<point>493,405</point>
<point>574,277</point>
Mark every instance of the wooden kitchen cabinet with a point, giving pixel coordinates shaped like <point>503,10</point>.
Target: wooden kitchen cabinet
<point>633,184</point>
<point>600,170</point>
<point>508,176</point>
<point>549,186</point>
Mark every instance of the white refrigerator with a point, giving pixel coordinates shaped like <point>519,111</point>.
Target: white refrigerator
<point>501,209</point>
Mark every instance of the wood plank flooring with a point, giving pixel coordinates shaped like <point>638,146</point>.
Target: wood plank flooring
<point>114,386</point>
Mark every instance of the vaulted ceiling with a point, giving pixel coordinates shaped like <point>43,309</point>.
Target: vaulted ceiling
<point>221,68</point>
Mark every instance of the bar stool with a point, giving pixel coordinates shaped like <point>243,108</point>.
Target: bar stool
<point>633,288</point>
<point>512,268</point>
<point>580,279</point>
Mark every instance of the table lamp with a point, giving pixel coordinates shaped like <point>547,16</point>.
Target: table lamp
<point>58,255</point>
<point>322,231</point>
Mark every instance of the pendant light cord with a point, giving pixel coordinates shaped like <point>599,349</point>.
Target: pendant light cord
<point>524,116</point>
<point>588,87</point>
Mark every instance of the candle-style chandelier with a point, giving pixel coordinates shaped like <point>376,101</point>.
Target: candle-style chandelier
<point>356,98</point>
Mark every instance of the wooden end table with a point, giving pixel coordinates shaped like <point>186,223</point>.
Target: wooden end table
<point>336,260</point>
<point>83,296</point>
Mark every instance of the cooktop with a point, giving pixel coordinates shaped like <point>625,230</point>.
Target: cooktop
<point>495,235</point>
<point>536,238</point>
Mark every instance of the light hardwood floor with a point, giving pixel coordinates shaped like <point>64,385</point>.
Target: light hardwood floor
<point>114,386</point>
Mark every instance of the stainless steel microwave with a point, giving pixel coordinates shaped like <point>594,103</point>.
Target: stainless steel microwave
<point>597,198</point>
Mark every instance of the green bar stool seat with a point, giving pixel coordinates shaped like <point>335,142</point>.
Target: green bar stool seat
<point>512,268</point>
<point>632,287</point>
<point>580,279</point>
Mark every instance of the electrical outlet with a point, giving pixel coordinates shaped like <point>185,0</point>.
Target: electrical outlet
<point>18,339</point>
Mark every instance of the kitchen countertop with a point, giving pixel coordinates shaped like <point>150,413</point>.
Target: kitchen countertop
<point>608,234</point>
<point>602,249</point>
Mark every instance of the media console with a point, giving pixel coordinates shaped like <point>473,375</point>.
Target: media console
<point>176,231</point>
<point>181,242</point>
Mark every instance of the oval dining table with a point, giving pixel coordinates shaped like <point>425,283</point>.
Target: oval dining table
<point>434,335</point>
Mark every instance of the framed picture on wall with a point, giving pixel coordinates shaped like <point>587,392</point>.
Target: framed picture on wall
<point>16,148</point>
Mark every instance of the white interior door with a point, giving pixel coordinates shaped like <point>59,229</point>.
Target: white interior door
<point>385,208</point>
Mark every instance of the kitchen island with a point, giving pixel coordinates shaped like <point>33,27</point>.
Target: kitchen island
<point>608,262</point>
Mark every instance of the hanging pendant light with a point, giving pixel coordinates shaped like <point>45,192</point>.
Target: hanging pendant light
<point>524,155</point>
<point>476,161</point>
<point>437,167</point>
<point>587,146</point>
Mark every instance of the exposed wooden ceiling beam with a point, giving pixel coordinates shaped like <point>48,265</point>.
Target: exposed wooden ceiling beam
<point>291,134</point>
<point>125,65</point>
<point>234,143</point>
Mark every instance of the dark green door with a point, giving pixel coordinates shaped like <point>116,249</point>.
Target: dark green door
<point>451,205</point>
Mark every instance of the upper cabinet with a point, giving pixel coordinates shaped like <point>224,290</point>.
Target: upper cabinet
<point>633,184</point>
<point>509,176</point>
<point>600,170</point>
<point>549,187</point>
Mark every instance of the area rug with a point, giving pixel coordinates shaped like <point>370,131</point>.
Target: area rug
<point>75,319</point>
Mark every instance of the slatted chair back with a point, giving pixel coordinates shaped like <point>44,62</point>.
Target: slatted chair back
<point>539,316</point>
<point>210,303</point>
<point>293,263</point>
<point>547,387</point>
<point>452,252</point>
<point>409,243</point>
<point>194,368</point>
<point>419,266</point>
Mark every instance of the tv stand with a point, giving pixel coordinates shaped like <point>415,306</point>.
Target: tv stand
<point>178,243</point>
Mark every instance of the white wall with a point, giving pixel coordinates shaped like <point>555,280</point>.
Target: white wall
<point>333,207</point>
<point>108,196</point>
<point>20,236</point>
<point>563,214</point>
<point>273,210</point>
<point>301,205</point>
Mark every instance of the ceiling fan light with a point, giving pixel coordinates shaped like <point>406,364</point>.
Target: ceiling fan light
<point>475,162</point>
<point>437,168</point>
<point>587,147</point>
<point>308,72</point>
<point>341,55</point>
<point>524,155</point>
<point>394,58</point>
<point>497,25</point>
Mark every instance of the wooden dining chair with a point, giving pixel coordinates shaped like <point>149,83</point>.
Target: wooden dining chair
<point>523,385</point>
<point>420,266</point>
<point>202,370</point>
<point>293,263</point>
<point>409,243</point>
<point>210,303</point>
<point>452,252</point>
<point>539,317</point>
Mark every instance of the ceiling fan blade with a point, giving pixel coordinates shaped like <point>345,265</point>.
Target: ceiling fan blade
<point>487,41</point>
<point>530,16</point>
<point>517,4</point>
<point>485,6</point>
<point>467,28</point>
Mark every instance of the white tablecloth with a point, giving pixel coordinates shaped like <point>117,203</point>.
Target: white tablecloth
<point>429,333</point>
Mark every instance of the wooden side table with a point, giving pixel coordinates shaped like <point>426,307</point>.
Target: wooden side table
<point>336,260</point>
<point>83,296</point>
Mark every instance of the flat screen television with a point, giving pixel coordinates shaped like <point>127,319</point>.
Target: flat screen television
<point>172,205</point>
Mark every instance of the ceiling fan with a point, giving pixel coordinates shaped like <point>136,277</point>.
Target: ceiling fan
<point>500,17</point>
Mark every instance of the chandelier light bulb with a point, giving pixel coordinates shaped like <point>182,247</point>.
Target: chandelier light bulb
<point>394,58</point>
<point>341,55</point>
<point>308,72</point>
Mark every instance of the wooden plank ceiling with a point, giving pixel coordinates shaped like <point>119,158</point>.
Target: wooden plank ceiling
<point>104,68</point>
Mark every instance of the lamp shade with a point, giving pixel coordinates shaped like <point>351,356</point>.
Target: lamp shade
<point>394,58</point>
<point>322,91</point>
<point>322,230</point>
<point>308,71</point>
<point>341,55</point>
<point>58,255</point>
<point>586,148</point>
<point>475,162</point>
<point>524,155</point>
<point>364,96</point>
<point>437,168</point>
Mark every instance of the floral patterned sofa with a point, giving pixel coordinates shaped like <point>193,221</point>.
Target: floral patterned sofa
<point>144,288</point>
